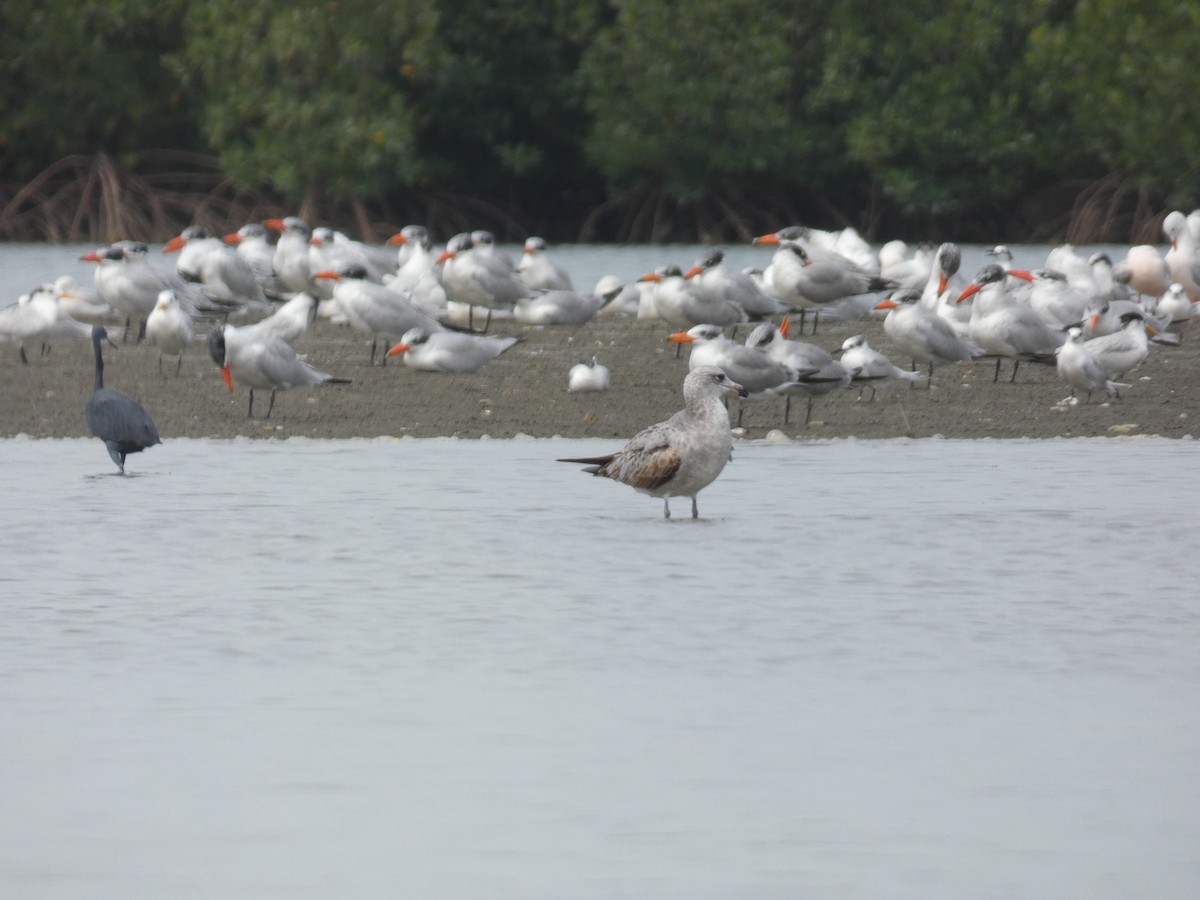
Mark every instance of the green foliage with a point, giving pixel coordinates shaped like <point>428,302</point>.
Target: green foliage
<point>308,98</point>
<point>1132,75</point>
<point>500,101</point>
<point>694,94</point>
<point>86,76</point>
<point>938,102</point>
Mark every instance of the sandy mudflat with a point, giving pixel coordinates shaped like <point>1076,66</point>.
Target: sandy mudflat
<point>524,392</point>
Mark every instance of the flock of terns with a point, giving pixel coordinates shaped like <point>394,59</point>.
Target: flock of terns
<point>261,287</point>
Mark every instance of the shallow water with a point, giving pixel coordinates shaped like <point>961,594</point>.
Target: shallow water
<point>439,668</point>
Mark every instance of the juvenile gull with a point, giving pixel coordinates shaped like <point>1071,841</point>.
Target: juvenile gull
<point>683,455</point>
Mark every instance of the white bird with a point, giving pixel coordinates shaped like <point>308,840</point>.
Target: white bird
<point>710,276</point>
<point>449,351</point>
<point>1124,349</point>
<point>222,273</point>
<point>291,253</point>
<point>1056,301</point>
<point>1183,259</point>
<point>561,307</point>
<point>922,335</point>
<point>479,276</point>
<point>81,303</point>
<point>806,283</point>
<point>1005,327</point>
<point>911,272</point>
<point>37,317</point>
<point>169,328</point>
<point>127,282</point>
<point>417,274</point>
<point>372,308</point>
<point>252,243</point>
<point>824,374</point>
<point>588,376</point>
<point>540,272</point>
<point>1144,270</point>
<point>750,367</point>
<point>943,286</point>
<point>683,455</point>
<point>867,365</point>
<point>626,302</point>
<point>1175,307</point>
<point>289,322</point>
<point>677,303</point>
<point>1079,367</point>
<point>328,251</point>
<point>262,363</point>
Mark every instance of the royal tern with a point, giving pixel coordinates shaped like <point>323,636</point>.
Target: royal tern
<point>372,308</point>
<point>289,322</point>
<point>677,303</point>
<point>449,351</point>
<point>329,250</point>
<point>716,282</point>
<point>169,328</point>
<point>1055,300</point>
<point>754,370</point>
<point>252,243</point>
<point>263,363</point>
<point>588,376</point>
<point>683,455</point>
<point>1005,327</point>
<point>479,276</point>
<point>224,276</point>
<point>924,336</point>
<point>1079,367</point>
<point>417,274</point>
<point>120,422</point>
<point>538,271</point>
<point>561,307</point>
<point>127,282</point>
<point>943,286</point>
<point>805,283</point>
<point>824,374</point>
<point>291,253</point>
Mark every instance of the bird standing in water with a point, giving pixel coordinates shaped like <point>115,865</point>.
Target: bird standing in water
<point>114,418</point>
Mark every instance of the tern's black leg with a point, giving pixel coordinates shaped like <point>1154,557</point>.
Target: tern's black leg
<point>271,405</point>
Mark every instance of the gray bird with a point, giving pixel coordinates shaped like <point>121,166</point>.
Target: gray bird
<point>114,418</point>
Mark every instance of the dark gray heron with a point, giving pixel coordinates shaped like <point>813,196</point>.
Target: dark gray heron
<point>114,418</point>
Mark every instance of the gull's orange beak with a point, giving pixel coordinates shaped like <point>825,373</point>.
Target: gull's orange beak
<point>328,274</point>
<point>681,337</point>
<point>1023,274</point>
<point>225,374</point>
<point>446,254</point>
<point>889,303</point>
<point>175,244</point>
<point>785,326</point>
<point>766,239</point>
<point>398,349</point>
<point>396,238</point>
<point>693,272</point>
<point>233,238</point>
<point>90,257</point>
<point>653,276</point>
<point>274,224</point>
<point>942,282</point>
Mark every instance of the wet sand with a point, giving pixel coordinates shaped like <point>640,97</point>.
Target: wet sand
<point>524,393</point>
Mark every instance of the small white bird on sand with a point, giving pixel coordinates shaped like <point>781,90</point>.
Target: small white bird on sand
<point>683,455</point>
<point>169,328</point>
<point>588,376</point>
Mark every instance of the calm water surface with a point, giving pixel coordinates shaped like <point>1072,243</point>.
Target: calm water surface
<point>388,669</point>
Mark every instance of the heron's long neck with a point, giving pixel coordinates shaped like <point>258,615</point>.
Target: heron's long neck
<point>99,368</point>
